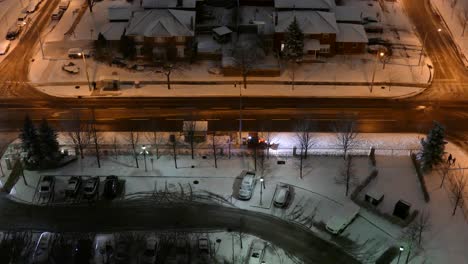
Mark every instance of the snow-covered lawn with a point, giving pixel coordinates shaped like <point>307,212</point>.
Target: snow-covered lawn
<point>455,15</point>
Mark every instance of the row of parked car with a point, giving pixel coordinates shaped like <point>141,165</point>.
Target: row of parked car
<point>247,186</point>
<point>75,184</point>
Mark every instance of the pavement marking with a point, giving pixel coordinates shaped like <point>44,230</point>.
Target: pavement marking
<point>151,108</point>
<point>246,119</point>
<point>80,108</point>
<point>187,108</point>
<point>359,120</point>
<point>139,119</point>
<point>220,108</point>
<point>212,119</point>
<point>253,108</point>
<point>105,119</point>
<point>174,119</point>
<point>280,119</point>
<point>117,108</point>
<point>29,108</point>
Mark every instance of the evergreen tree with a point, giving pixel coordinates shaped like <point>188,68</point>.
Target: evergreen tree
<point>30,141</point>
<point>433,147</point>
<point>48,141</point>
<point>294,42</point>
<point>127,46</point>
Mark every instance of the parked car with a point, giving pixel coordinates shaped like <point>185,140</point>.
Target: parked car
<point>256,252</point>
<point>73,186</point>
<point>46,186</point>
<point>57,14</point>
<point>75,53</point>
<point>21,21</point>
<point>104,246</point>
<point>149,255</point>
<point>122,255</point>
<point>91,187</point>
<point>373,27</point>
<point>282,195</point>
<point>71,67</point>
<point>369,19</point>
<point>111,185</point>
<point>83,251</point>
<point>342,218</point>
<point>63,5</point>
<point>4,46</point>
<point>120,62</point>
<point>42,249</point>
<point>247,186</point>
<point>13,32</point>
<point>204,245</point>
<point>32,6</point>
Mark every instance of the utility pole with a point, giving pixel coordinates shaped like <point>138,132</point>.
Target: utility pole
<point>381,54</point>
<point>424,44</point>
<point>86,68</point>
<point>240,113</point>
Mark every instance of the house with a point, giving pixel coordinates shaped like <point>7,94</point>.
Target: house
<point>112,32</point>
<point>256,20</point>
<point>319,28</point>
<point>348,14</point>
<point>317,5</point>
<point>163,33</point>
<point>172,4</point>
<point>351,39</point>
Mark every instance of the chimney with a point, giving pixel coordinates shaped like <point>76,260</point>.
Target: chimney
<point>276,18</point>
<point>192,24</point>
<point>179,3</point>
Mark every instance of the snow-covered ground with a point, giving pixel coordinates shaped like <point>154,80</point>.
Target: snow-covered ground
<point>316,196</point>
<point>455,15</point>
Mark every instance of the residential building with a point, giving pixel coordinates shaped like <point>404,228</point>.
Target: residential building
<point>172,4</point>
<point>317,5</point>
<point>351,39</point>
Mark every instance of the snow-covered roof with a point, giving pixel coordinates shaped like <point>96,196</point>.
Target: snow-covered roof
<point>114,30</point>
<point>351,33</point>
<point>148,4</point>
<point>119,12</point>
<point>348,14</point>
<point>305,4</point>
<point>162,23</point>
<point>310,22</point>
<point>222,31</point>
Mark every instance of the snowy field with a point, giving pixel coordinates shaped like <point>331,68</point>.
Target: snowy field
<point>315,197</point>
<point>455,16</point>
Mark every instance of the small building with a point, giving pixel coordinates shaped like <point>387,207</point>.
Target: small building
<point>112,32</point>
<point>316,25</point>
<point>351,39</point>
<point>348,14</point>
<point>119,12</point>
<point>222,34</point>
<point>167,33</point>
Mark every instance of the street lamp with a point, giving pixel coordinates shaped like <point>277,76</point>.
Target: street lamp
<point>399,255</point>
<point>379,54</point>
<point>240,113</point>
<point>262,186</point>
<point>144,152</point>
<point>82,54</point>
<point>424,44</point>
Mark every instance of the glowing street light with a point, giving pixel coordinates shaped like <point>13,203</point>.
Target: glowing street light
<point>399,255</point>
<point>82,54</point>
<point>381,55</point>
<point>262,186</point>
<point>144,152</point>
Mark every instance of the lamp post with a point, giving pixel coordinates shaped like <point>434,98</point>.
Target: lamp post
<point>262,186</point>
<point>144,152</point>
<point>399,255</point>
<point>82,54</point>
<point>379,54</point>
<point>424,44</point>
<point>240,113</point>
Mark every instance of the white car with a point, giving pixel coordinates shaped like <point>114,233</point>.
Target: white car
<point>104,247</point>
<point>42,249</point>
<point>282,195</point>
<point>256,252</point>
<point>247,186</point>
<point>4,47</point>
<point>342,218</point>
<point>46,187</point>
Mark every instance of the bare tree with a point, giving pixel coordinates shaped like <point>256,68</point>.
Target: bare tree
<point>304,136</point>
<point>133,139</point>
<point>174,150</point>
<point>263,166</point>
<point>114,146</point>
<point>245,57</point>
<point>444,170</point>
<point>346,133</point>
<point>96,138</point>
<point>189,128</point>
<point>154,137</point>
<point>458,190</point>
<point>214,149</point>
<point>269,138</point>
<point>464,19</point>
<point>347,175</point>
<point>80,133</point>
<point>91,3</point>
<point>168,68</point>
<point>421,224</point>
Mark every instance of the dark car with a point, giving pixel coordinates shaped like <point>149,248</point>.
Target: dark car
<point>13,32</point>
<point>46,187</point>
<point>83,251</point>
<point>91,187</point>
<point>73,186</point>
<point>121,253</point>
<point>111,185</point>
